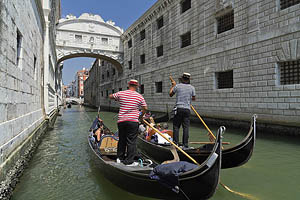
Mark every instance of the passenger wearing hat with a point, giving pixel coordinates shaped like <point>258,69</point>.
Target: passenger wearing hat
<point>185,93</point>
<point>128,121</point>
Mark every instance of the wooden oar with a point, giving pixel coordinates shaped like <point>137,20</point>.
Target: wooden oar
<point>177,147</point>
<point>226,143</point>
<point>203,122</point>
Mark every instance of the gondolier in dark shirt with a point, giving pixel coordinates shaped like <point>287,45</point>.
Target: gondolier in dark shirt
<point>185,93</point>
<point>128,121</point>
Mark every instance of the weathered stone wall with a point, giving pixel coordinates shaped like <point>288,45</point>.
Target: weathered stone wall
<point>20,83</point>
<point>263,35</point>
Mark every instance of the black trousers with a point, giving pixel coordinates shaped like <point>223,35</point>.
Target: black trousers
<point>182,117</point>
<point>128,132</point>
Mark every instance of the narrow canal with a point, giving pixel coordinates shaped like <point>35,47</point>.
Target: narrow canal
<point>63,166</point>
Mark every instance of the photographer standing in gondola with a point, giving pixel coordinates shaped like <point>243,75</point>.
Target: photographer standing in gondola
<point>185,93</point>
<point>128,121</point>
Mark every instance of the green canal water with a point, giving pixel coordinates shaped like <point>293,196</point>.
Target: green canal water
<point>63,166</point>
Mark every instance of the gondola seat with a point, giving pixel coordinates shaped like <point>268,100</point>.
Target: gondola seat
<point>108,145</point>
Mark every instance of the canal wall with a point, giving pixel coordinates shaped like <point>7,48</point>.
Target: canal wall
<point>244,66</point>
<point>24,116</point>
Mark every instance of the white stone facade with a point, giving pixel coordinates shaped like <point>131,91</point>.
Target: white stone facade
<point>89,36</point>
<point>263,36</point>
<point>23,69</point>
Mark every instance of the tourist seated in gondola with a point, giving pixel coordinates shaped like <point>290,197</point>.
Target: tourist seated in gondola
<point>97,129</point>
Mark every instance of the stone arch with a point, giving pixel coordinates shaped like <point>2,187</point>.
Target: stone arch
<point>89,36</point>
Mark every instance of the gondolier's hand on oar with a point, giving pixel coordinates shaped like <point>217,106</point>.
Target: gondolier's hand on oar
<point>172,81</point>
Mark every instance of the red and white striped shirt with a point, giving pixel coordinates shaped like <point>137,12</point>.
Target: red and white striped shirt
<point>130,102</point>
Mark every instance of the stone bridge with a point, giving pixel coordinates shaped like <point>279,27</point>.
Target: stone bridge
<point>89,36</point>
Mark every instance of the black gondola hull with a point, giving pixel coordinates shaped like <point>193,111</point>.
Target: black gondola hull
<point>199,183</point>
<point>231,157</point>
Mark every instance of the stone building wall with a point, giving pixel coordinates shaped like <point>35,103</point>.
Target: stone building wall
<point>264,36</point>
<point>22,75</point>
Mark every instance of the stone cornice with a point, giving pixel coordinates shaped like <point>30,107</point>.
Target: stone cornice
<point>78,20</point>
<point>150,14</point>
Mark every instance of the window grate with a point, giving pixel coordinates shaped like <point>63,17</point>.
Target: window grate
<point>130,43</point>
<point>185,39</point>
<point>130,64</point>
<point>225,22</point>
<point>185,5</point>
<point>158,86</point>
<point>143,34</point>
<point>142,89</point>
<point>225,79</point>
<point>288,3</point>
<point>160,51</point>
<point>160,22</point>
<point>290,72</point>
<point>142,58</point>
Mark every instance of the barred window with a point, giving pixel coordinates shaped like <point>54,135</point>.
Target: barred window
<point>142,89</point>
<point>185,39</point>
<point>224,79</point>
<point>143,34</point>
<point>225,22</point>
<point>160,51</point>
<point>142,59</point>
<point>185,5</point>
<point>158,87</point>
<point>130,64</point>
<point>289,72</point>
<point>160,22</point>
<point>288,3</point>
<point>114,71</point>
<point>130,43</point>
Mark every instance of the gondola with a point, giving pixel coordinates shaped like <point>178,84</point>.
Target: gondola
<point>199,183</point>
<point>158,118</point>
<point>231,157</point>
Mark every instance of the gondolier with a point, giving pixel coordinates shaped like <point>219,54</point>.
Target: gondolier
<point>128,121</point>
<point>185,93</point>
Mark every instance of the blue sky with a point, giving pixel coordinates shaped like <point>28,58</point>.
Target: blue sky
<point>122,12</point>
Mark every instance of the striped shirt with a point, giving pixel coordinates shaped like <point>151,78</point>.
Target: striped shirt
<point>184,94</point>
<point>130,102</point>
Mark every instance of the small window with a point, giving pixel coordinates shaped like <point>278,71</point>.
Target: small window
<point>107,93</point>
<point>102,76</point>
<point>120,89</point>
<point>142,89</point>
<point>130,43</point>
<point>19,47</point>
<point>185,39</point>
<point>78,38</point>
<point>143,34</point>
<point>160,22</point>
<point>224,79</point>
<point>225,22</point>
<point>107,73</point>
<point>130,64</point>
<point>34,68</point>
<point>289,72</point>
<point>158,87</point>
<point>114,71</point>
<point>102,93</point>
<point>160,51</point>
<point>142,58</point>
<point>288,3</point>
<point>92,39</point>
<point>113,91</point>
<point>104,40</point>
<point>185,5</point>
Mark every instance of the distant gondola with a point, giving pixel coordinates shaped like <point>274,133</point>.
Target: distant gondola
<point>231,157</point>
<point>199,183</point>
